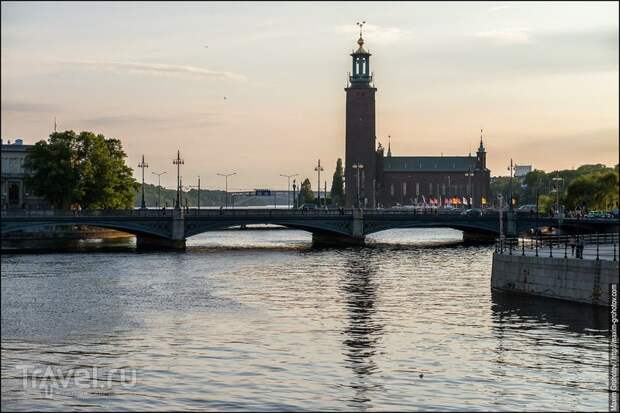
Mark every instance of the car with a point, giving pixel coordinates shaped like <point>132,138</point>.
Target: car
<point>307,206</point>
<point>597,214</point>
<point>527,208</point>
<point>473,212</point>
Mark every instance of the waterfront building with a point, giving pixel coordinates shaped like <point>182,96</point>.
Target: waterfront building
<point>15,192</point>
<point>521,171</point>
<point>374,178</point>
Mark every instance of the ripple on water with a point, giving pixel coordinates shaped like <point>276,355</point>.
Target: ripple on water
<point>407,323</point>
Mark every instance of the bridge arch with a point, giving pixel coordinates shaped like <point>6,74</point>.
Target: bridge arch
<point>138,230</point>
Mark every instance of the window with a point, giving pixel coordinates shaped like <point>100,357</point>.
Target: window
<point>404,188</point>
<point>417,189</point>
<point>443,189</point>
<point>391,189</point>
<point>430,188</point>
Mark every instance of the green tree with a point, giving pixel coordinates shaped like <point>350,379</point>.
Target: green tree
<point>337,192</point>
<point>85,169</point>
<point>595,190</point>
<point>305,193</point>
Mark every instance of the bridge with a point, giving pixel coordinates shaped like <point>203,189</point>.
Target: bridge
<point>169,228</point>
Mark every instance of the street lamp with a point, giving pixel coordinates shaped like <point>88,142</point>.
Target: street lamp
<point>178,162</point>
<point>318,169</point>
<point>143,165</point>
<point>288,195</point>
<point>226,176</point>
<point>159,174</point>
<point>190,187</point>
<point>358,167</point>
<point>501,221</point>
<point>295,194</point>
<point>469,174</point>
<point>511,169</point>
<point>556,188</point>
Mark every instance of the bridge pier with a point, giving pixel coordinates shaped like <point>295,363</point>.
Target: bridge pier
<point>175,242</point>
<point>473,237</point>
<point>145,242</point>
<point>336,240</point>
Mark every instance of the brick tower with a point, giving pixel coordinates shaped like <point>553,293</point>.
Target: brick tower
<point>360,131</point>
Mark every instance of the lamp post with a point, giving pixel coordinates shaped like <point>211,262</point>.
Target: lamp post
<point>501,221</point>
<point>178,162</point>
<point>510,168</point>
<point>469,174</point>
<point>190,187</point>
<point>159,174</point>
<point>374,193</point>
<point>294,194</point>
<point>143,165</point>
<point>288,190</point>
<point>318,168</point>
<point>556,189</point>
<point>358,167</point>
<point>226,176</point>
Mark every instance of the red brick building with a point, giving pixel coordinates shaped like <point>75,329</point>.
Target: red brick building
<point>373,178</point>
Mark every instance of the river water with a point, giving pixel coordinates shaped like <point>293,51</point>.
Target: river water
<point>258,320</point>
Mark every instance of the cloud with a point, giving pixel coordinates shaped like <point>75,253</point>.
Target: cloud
<point>498,8</point>
<point>507,36</point>
<point>34,107</point>
<point>376,34</point>
<point>159,121</point>
<point>154,69</point>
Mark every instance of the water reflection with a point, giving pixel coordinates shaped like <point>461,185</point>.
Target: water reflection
<point>364,330</point>
<point>571,317</point>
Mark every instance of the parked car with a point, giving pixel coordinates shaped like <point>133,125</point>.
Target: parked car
<point>307,206</point>
<point>474,212</point>
<point>598,214</point>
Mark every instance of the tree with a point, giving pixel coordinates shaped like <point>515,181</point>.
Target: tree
<point>85,169</point>
<point>595,190</point>
<point>337,191</point>
<point>306,196</point>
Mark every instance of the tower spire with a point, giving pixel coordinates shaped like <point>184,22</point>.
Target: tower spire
<point>481,147</point>
<point>360,26</point>
<point>389,152</point>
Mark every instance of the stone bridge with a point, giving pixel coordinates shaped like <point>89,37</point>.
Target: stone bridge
<point>170,228</point>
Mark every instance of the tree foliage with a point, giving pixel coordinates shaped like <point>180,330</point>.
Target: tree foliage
<point>337,191</point>
<point>542,183</point>
<point>595,190</point>
<point>305,192</point>
<point>86,169</point>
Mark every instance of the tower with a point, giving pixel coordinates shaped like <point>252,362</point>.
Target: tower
<point>481,158</point>
<point>360,130</point>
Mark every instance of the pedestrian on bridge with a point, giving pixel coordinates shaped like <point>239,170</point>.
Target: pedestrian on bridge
<point>572,242</point>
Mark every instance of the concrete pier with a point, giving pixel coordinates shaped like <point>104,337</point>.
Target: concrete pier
<point>578,280</point>
<point>336,240</point>
<point>144,242</point>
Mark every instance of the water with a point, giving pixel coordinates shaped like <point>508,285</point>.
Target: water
<point>258,320</point>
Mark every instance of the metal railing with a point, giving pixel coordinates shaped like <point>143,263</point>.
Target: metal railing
<point>588,246</point>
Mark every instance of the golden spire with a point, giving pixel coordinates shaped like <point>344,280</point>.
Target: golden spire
<point>360,41</point>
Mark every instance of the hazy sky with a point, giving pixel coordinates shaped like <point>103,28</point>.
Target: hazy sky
<point>258,88</point>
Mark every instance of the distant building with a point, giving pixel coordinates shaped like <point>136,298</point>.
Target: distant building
<point>375,179</point>
<point>522,170</point>
<point>15,193</point>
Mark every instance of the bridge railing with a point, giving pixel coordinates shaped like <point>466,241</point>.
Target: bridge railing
<point>591,246</point>
<point>85,213</point>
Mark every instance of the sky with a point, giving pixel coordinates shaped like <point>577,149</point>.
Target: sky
<point>257,88</point>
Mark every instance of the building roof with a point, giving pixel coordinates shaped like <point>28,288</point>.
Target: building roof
<point>429,163</point>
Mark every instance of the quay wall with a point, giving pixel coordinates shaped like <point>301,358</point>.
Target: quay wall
<point>582,281</point>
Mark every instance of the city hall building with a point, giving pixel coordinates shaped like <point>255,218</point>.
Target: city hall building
<point>376,179</point>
